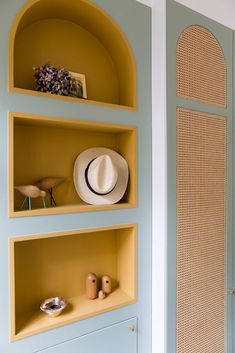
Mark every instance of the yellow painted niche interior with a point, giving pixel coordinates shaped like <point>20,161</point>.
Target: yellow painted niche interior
<point>76,35</point>
<point>57,264</point>
<point>43,146</point>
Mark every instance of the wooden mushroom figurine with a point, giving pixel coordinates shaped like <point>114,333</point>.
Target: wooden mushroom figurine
<point>31,191</point>
<point>106,284</point>
<point>47,184</point>
<point>91,286</point>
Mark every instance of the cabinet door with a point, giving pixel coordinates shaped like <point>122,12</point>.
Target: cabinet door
<point>199,114</point>
<point>119,338</point>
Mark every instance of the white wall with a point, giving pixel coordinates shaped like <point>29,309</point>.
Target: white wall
<point>159,174</point>
<point>147,2</point>
<point>221,11</point>
<point>159,160</point>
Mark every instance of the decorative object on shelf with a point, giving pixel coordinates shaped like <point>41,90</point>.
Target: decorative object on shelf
<point>106,284</point>
<point>47,184</point>
<point>101,294</point>
<point>91,286</point>
<point>53,306</point>
<point>81,80</point>
<point>31,191</point>
<point>59,81</point>
<point>100,176</point>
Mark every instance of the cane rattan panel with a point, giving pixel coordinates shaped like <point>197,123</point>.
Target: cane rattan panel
<point>201,232</point>
<point>201,67</point>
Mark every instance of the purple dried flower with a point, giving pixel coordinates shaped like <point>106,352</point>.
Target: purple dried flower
<point>56,81</point>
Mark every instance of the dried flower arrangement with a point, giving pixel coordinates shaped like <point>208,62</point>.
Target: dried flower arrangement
<point>57,81</point>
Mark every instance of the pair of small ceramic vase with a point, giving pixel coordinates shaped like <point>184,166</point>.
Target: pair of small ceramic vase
<point>91,286</point>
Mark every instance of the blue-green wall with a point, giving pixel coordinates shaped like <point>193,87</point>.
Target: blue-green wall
<point>135,21</point>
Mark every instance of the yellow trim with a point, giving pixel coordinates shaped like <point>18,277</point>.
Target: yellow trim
<point>117,296</point>
<point>15,25</point>
<point>126,135</point>
<point>13,31</point>
<point>68,209</point>
<point>70,99</point>
<point>82,308</point>
<point>95,125</point>
<point>11,163</point>
<point>36,236</point>
<point>12,288</point>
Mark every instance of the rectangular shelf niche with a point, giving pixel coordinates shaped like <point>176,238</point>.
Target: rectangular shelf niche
<point>42,146</point>
<point>56,264</point>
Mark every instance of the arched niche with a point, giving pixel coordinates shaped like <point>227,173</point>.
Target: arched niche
<point>201,67</point>
<point>79,36</point>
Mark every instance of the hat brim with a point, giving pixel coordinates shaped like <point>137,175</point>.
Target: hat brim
<point>79,178</point>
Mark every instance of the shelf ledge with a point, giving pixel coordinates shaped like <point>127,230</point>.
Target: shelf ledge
<point>79,308</point>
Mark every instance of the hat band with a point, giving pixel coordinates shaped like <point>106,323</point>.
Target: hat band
<point>88,184</point>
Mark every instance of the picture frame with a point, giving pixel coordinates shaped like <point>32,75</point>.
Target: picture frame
<point>81,78</point>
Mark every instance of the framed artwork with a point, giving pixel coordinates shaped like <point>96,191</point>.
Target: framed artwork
<point>81,79</point>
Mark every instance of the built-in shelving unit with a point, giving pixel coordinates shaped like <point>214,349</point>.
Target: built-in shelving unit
<point>42,146</point>
<point>53,255</point>
<point>80,37</point>
<point>56,264</point>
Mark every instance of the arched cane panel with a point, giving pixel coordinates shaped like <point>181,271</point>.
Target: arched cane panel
<point>201,68</point>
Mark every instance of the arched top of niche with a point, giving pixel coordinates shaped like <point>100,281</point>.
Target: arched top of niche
<point>79,36</point>
<point>201,67</point>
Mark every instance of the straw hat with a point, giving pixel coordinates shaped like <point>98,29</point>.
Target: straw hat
<point>100,176</point>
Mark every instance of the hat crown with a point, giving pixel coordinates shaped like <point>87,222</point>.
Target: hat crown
<point>102,174</point>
